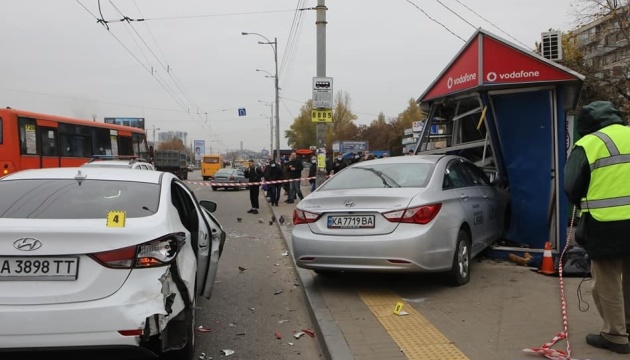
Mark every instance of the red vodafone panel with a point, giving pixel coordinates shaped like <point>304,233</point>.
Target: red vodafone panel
<point>503,64</point>
<point>461,75</point>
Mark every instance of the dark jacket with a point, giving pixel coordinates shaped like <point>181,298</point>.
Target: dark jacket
<point>273,172</point>
<point>600,239</point>
<point>312,171</point>
<point>254,174</point>
<point>296,172</point>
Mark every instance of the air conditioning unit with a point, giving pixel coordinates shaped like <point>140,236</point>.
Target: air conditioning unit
<point>552,45</point>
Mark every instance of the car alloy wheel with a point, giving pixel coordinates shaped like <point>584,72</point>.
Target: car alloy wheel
<point>460,270</point>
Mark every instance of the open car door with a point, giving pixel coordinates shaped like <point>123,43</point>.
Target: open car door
<point>209,250</point>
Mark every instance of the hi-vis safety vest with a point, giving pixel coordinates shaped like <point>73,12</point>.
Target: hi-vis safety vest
<point>608,154</point>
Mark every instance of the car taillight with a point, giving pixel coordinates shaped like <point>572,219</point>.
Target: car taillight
<point>416,215</point>
<point>304,217</point>
<point>231,177</point>
<point>158,252</point>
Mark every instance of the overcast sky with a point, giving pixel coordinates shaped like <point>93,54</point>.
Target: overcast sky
<point>57,59</point>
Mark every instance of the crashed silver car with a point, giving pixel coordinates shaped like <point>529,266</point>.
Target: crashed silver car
<point>103,259</point>
<point>426,213</point>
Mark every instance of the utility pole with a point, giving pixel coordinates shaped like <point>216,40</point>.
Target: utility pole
<point>320,24</point>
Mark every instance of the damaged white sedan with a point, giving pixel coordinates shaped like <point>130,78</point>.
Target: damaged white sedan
<point>103,259</point>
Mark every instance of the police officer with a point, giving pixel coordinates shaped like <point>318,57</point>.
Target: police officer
<point>597,180</point>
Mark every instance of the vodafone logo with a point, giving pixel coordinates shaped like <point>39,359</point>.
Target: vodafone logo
<point>462,79</point>
<point>514,75</point>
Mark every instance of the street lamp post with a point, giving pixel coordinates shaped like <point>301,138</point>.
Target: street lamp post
<point>274,46</point>
<point>270,126</point>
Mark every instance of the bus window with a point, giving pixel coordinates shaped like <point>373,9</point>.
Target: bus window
<point>0,131</point>
<point>125,145</point>
<point>76,140</point>
<point>28,136</point>
<point>101,141</point>
<point>140,145</point>
<point>48,138</point>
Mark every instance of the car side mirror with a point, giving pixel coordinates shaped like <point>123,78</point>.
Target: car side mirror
<point>208,205</point>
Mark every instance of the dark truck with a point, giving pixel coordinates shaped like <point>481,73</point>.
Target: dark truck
<point>173,161</point>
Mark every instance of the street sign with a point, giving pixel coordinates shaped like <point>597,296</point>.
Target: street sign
<point>322,115</point>
<point>242,112</point>
<point>323,92</point>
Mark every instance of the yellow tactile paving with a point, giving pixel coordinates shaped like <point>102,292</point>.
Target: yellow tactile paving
<point>416,337</point>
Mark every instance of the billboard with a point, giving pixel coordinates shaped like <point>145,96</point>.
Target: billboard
<point>133,122</point>
<point>200,149</point>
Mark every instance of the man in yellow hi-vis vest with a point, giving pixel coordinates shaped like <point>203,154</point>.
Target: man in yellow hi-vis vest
<point>597,180</point>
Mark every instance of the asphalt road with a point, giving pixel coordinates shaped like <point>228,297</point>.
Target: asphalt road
<point>257,293</point>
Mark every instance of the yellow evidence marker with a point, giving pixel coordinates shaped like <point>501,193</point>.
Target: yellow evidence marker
<point>116,218</point>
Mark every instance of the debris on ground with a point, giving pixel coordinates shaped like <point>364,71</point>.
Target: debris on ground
<point>309,332</point>
<point>227,352</point>
<point>239,219</point>
<point>298,334</point>
<point>278,336</point>
<point>203,329</point>
<point>240,268</point>
<point>278,292</point>
<point>282,321</point>
<point>286,253</point>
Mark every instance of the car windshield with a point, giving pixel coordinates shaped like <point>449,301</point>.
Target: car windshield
<point>72,199</point>
<point>224,172</point>
<point>391,175</point>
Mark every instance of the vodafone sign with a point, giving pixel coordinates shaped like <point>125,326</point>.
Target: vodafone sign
<point>461,75</point>
<point>501,64</point>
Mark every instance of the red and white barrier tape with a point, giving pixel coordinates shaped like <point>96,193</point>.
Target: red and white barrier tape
<point>546,349</point>
<point>211,183</point>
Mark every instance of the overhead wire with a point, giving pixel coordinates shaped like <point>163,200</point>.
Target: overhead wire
<point>492,24</point>
<point>456,14</point>
<point>165,67</point>
<point>435,21</point>
<point>214,15</point>
<point>292,43</point>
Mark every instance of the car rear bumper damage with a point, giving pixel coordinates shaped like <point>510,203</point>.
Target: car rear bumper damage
<point>125,320</point>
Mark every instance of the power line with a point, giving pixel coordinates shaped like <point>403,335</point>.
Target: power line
<point>198,16</point>
<point>435,21</point>
<point>293,44</point>
<point>489,22</point>
<point>456,14</point>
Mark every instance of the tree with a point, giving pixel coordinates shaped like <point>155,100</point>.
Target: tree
<point>607,65</point>
<point>302,133</point>
<point>342,128</point>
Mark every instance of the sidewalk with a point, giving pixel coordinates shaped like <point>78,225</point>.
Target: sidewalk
<point>504,309</point>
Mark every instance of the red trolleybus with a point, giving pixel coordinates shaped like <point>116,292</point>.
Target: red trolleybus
<point>30,141</point>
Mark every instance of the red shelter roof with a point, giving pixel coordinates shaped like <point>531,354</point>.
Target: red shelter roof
<point>487,61</point>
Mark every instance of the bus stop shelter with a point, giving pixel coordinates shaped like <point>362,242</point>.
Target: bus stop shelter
<point>507,109</point>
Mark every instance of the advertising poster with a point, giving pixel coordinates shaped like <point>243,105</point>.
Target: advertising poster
<point>199,148</point>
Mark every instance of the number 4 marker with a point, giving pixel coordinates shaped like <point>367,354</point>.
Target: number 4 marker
<point>116,218</point>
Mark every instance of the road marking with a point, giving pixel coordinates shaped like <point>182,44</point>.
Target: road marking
<point>415,335</point>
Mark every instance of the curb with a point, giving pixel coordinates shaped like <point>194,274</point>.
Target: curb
<point>331,338</point>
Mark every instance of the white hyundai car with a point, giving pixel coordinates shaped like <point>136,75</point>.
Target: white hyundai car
<point>103,259</point>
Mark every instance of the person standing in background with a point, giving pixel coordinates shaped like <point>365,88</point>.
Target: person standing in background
<point>254,174</point>
<point>312,172</point>
<point>273,172</point>
<point>295,167</point>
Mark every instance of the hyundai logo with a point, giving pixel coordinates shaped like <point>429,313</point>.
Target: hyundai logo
<point>349,203</point>
<point>27,244</point>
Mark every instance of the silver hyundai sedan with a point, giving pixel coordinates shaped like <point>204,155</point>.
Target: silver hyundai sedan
<point>423,213</point>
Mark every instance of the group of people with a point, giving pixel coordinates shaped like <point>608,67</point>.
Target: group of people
<point>288,171</point>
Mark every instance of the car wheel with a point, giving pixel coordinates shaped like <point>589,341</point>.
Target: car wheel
<point>205,178</point>
<point>238,188</point>
<point>214,188</point>
<point>460,270</point>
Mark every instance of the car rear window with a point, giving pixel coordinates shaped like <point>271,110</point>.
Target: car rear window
<point>72,199</point>
<point>395,175</point>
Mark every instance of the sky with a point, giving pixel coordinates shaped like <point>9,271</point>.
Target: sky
<point>187,67</point>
